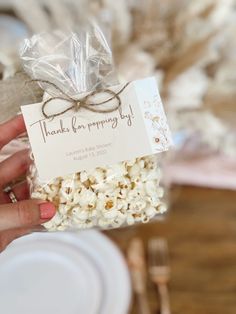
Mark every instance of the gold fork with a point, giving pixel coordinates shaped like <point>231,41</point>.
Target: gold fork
<point>137,265</point>
<point>159,270</point>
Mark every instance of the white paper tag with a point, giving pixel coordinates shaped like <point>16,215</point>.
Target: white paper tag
<point>83,140</point>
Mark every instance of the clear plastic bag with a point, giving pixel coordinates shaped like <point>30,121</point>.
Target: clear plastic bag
<point>106,197</point>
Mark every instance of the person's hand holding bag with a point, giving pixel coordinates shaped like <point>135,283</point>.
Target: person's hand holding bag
<point>18,214</point>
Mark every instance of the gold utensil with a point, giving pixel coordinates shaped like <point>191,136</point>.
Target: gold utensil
<point>159,270</point>
<point>136,261</point>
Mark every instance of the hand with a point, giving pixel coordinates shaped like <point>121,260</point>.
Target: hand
<point>24,216</point>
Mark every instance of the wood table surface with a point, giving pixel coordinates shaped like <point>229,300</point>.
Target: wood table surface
<point>201,232</point>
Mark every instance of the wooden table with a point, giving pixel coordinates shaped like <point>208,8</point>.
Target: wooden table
<point>201,232</point>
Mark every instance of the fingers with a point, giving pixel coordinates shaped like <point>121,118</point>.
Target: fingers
<point>25,214</point>
<point>14,166</point>
<point>11,129</point>
<point>20,190</point>
<point>8,236</point>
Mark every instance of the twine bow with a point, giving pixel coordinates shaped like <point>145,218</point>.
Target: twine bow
<point>83,102</point>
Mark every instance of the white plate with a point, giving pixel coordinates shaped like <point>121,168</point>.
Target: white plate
<point>64,273</point>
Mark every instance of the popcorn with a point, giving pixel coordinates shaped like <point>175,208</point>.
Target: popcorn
<point>87,198</point>
<point>150,211</point>
<point>134,171</point>
<point>63,209</point>
<point>162,208</point>
<point>110,214</point>
<point>130,219</point>
<point>151,187</point>
<point>108,197</point>
<point>145,218</point>
<point>154,201</point>
<point>80,214</point>
<point>116,171</point>
<point>83,176</point>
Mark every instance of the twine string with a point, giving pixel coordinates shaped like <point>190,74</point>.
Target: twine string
<point>83,102</point>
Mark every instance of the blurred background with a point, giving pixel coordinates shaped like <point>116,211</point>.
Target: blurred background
<point>190,47</point>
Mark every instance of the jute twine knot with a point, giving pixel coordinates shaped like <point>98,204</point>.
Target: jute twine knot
<point>83,102</point>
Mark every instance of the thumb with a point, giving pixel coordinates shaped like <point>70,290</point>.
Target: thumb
<point>25,214</point>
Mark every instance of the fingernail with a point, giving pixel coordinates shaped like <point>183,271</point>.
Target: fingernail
<point>47,210</point>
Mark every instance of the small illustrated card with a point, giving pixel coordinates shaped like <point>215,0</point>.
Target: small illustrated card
<point>81,139</point>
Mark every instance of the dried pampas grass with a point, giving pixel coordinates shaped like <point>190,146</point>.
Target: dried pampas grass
<point>192,44</point>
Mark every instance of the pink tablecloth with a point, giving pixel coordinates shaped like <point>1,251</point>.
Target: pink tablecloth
<point>214,171</point>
